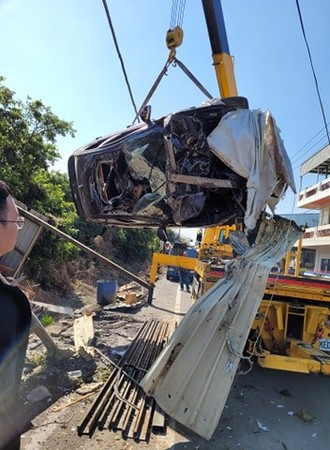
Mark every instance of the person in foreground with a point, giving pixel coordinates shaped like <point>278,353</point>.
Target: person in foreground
<point>15,322</point>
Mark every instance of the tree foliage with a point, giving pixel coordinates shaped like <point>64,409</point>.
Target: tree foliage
<point>135,245</point>
<point>28,133</point>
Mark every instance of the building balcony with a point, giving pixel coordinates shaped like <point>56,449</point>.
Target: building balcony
<point>316,236</point>
<point>316,196</point>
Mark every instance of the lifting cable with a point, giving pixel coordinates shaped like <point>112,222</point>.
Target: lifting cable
<point>312,66</point>
<point>120,56</point>
<point>192,77</point>
<point>174,39</point>
<point>163,72</point>
<point>177,13</point>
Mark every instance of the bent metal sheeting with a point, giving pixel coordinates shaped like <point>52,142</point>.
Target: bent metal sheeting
<point>192,377</point>
<point>249,143</point>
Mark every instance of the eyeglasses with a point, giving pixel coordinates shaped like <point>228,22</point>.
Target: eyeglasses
<point>20,222</point>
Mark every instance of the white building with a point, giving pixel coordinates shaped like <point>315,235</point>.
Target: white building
<point>315,173</point>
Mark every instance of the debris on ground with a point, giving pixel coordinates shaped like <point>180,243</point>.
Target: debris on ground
<point>306,416</point>
<point>53,424</point>
<point>84,340</point>
<point>39,393</point>
<point>261,426</point>
<point>285,393</point>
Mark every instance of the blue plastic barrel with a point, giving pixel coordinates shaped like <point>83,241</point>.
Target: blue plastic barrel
<point>106,292</point>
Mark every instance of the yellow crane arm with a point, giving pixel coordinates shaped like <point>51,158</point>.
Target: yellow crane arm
<point>223,62</point>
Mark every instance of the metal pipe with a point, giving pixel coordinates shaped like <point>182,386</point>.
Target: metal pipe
<point>83,247</point>
<point>112,412</point>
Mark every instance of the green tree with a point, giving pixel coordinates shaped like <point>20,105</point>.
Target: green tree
<point>135,244</point>
<point>28,132</point>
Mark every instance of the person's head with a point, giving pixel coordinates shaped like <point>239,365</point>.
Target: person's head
<point>9,224</point>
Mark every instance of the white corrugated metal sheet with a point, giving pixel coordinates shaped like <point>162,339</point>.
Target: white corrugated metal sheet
<point>318,163</point>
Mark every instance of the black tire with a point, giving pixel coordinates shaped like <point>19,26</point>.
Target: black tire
<point>236,102</point>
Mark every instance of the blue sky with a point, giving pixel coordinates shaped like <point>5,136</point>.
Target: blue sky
<point>62,52</point>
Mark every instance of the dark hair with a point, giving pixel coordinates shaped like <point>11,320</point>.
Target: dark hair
<point>5,192</point>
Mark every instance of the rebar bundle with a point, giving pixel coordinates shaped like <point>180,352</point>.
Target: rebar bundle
<point>122,405</point>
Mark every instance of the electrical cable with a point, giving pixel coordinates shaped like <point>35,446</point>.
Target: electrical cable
<point>312,67</point>
<point>309,142</point>
<point>295,162</point>
<point>120,56</point>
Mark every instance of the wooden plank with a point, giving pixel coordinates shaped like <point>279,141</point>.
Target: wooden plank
<point>83,330</point>
<point>158,420</point>
<point>192,377</point>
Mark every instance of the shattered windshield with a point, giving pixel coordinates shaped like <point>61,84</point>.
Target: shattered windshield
<point>134,179</point>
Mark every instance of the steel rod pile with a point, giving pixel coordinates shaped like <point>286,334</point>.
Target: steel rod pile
<point>122,405</point>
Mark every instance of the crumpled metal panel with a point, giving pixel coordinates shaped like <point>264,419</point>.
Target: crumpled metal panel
<point>192,377</point>
<point>122,181</point>
<point>249,143</point>
<point>187,141</point>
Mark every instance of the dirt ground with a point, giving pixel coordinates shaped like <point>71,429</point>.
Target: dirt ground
<point>266,409</point>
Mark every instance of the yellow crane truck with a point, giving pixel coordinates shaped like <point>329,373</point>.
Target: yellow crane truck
<point>291,330</point>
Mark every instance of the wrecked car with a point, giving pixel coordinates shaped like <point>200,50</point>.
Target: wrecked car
<point>167,172</point>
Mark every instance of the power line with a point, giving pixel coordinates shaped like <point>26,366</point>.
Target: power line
<point>309,150</point>
<point>312,66</point>
<point>119,55</point>
<point>308,142</point>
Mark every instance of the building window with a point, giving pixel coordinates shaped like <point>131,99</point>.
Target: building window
<point>325,265</point>
<point>308,259</point>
